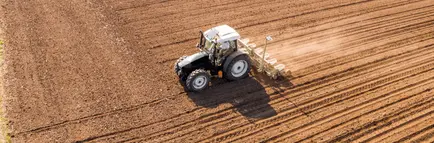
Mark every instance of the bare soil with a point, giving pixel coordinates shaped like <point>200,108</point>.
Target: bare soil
<point>101,71</point>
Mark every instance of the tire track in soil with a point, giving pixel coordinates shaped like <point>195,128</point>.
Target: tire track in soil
<point>424,137</point>
<point>427,123</point>
<point>344,31</point>
<point>315,85</point>
<point>310,12</point>
<point>394,94</point>
<point>370,52</point>
<point>363,89</point>
<point>380,59</point>
<point>418,125</point>
<point>351,25</point>
<point>356,31</point>
<point>192,39</point>
<point>76,122</point>
<point>381,48</point>
<point>348,71</point>
<point>361,41</point>
<point>65,69</point>
<point>349,19</point>
<point>252,16</point>
<point>363,69</point>
<point>148,3</point>
<point>365,105</point>
<point>193,30</point>
<point>93,117</point>
<point>293,123</point>
<point>389,128</point>
<point>323,26</point>
<point>324,23</point>
<point>341,113</point>
<point>178,55</point>
<point>193,10</point>
<point>305,34</point>
<point>312,106</point>
<point>390,5</point>
<point>212,7</point>
<point>365,54</point>
<point>376,41</point>
<point>229,13</point>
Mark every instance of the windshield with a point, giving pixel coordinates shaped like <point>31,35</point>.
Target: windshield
<point>205,44</point>
<point>208,45</point>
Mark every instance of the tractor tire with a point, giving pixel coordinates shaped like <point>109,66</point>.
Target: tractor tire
<point>239,68</point>
<point>198,80</point>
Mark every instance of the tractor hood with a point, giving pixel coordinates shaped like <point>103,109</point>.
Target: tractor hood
<point>192,58</point>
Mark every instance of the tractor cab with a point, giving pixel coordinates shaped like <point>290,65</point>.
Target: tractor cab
<point>218,36</point>
<point>219,56</point>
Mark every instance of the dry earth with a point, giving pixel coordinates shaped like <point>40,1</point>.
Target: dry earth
<point>101,71</point>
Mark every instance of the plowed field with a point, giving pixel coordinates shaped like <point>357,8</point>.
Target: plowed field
<point>101,71</point>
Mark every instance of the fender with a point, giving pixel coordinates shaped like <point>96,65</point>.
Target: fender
<point>231,57</point>
<point>192,58</point>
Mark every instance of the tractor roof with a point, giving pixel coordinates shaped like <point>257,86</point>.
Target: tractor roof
<point>222,33</point>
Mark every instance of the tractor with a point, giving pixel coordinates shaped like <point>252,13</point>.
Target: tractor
<point>222,54</point>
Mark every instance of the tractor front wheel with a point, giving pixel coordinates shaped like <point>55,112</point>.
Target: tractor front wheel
<point>198,80</point>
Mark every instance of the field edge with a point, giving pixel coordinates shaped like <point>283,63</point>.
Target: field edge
<point>4,129</point>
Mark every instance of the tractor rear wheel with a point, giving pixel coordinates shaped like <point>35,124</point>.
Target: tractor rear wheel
<point>238,68</point>
<point>198,80</point>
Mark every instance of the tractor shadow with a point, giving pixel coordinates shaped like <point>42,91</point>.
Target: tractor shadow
<point>247,96</point>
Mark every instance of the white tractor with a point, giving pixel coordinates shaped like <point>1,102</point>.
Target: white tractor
<point>223,55</point>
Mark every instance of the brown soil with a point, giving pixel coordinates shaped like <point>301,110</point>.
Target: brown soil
<point>101,71</point>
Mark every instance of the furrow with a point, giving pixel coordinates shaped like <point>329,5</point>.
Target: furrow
<point>380,7</point>
<point>358,104</point>
<point>366,53</point>
<point>324,100</point>
<point>402,99</point>
<point>409,128</point>
<point>362,37</point>
<point>424,137</point>
<point>370,68</point>
<point>385,121</point>
<point>357,27</point>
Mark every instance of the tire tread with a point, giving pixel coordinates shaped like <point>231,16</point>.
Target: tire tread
<point>194,74</point>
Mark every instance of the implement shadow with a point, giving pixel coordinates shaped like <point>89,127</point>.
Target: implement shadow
<point>248,96</point>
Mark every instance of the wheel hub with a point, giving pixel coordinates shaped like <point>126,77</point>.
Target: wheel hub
<point>199,82</point>
<point>239,68</point>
